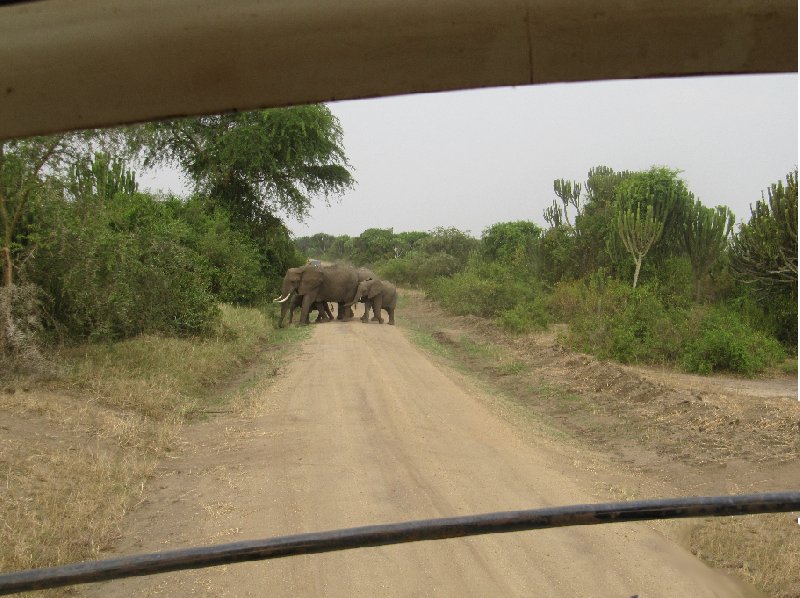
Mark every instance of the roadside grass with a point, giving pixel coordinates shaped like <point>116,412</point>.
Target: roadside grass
<point>762,549</point>
<point>685,442</point>
<point>76,450</point>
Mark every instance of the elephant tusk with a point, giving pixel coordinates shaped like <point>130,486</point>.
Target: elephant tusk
<point>281,299</point>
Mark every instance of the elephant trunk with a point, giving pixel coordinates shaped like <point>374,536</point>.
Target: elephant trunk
<point>355,298</point>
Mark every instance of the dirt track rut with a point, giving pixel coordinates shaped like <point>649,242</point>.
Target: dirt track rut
<point>362,428</point>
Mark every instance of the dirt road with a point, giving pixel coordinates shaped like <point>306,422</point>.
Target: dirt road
<point>363,428</point>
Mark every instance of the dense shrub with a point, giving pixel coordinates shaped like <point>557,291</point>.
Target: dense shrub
<point>233,257</point>
<point>525,317</point>
<point>724,342</point>
<point>116,269</point>
<point>614,320</point>
<point>492,289</point>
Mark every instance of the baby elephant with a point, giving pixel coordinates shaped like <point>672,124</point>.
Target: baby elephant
<point>380,294</point>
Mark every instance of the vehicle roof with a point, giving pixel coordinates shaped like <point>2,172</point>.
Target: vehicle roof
<point>70,64</point>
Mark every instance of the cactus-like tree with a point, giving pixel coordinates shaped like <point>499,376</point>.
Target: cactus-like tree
<point>765,249</point>
<point>638,233</point>
<point>705,236</point>
<point>647,208</point>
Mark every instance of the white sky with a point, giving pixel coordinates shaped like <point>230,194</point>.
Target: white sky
<point>470,159</point>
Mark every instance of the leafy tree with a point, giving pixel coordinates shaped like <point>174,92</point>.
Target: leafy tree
<point>406,242</point>
<point>705,237</point>
<point>316,245</point>
<point>450,241</point>
<point>256,164</point>
<point>510,242</point>
<point>27,167</point>
<point>373,245</point>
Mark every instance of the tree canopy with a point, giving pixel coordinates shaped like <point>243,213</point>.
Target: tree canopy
<point>255,164</point>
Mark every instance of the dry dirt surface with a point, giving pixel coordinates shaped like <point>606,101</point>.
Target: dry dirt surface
<point>364,428</point>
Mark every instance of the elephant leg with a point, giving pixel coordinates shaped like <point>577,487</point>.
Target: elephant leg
<point>365,317</point>
<point>345,313</point>
<point>377,305</point>
<point>327,309</point>
<point>308,301</point>
<point>390,311</point>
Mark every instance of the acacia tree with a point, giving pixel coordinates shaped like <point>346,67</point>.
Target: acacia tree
<point>260,163</point>
<point>705,237</point>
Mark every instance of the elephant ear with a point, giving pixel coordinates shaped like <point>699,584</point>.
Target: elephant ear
<point>375,288</point>
<point>312,278</point>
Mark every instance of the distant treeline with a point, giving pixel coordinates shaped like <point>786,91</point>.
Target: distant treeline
<point>640,269</point>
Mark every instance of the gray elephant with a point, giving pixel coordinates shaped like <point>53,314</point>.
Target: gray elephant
<point>378,294</point>
<point>363,274</point>
<point>295,301</point>
<point>320,283</point>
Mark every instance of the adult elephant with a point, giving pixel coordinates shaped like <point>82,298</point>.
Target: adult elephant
<point>320,283</point>
<point>379,294</point>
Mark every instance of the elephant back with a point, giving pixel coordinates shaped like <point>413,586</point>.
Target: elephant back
<point>340,283</point>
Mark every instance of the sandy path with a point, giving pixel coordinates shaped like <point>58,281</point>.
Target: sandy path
<point>352,439</point>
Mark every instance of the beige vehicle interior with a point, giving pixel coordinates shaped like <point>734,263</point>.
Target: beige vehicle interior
<point>70,64</point>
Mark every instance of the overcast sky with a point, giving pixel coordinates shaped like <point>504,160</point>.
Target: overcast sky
<point>470,159</point>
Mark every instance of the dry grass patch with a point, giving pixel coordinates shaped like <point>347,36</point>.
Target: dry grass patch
<point>76,450</point>
<point>762,549</point>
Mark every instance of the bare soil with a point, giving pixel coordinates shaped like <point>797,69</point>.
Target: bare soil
<point>364,427</point>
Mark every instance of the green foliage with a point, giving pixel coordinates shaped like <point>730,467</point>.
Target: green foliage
<point>102,176</point>
<point>638,233</point>
<point>418,269</point>
<point>510,242</point>
<point>29,168</point>
<point>489,289</point>
<point>233,257</point>
<point>724,343</point>
<point>705,237</point>
<point>450,241</point>
<point>613,320</point>
<point>569,192</point>
<point>124,268</point>
<point>374,245</point>
<point>525,317</point>
<point>254,163</point>
<point>764,255</point>
<point>650,205</point>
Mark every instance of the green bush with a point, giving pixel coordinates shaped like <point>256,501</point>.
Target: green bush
<point>120,268</point>
<point>613,320</point>
<point>233,258</point>
<point>723,342</point>
<point>525,317</point>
